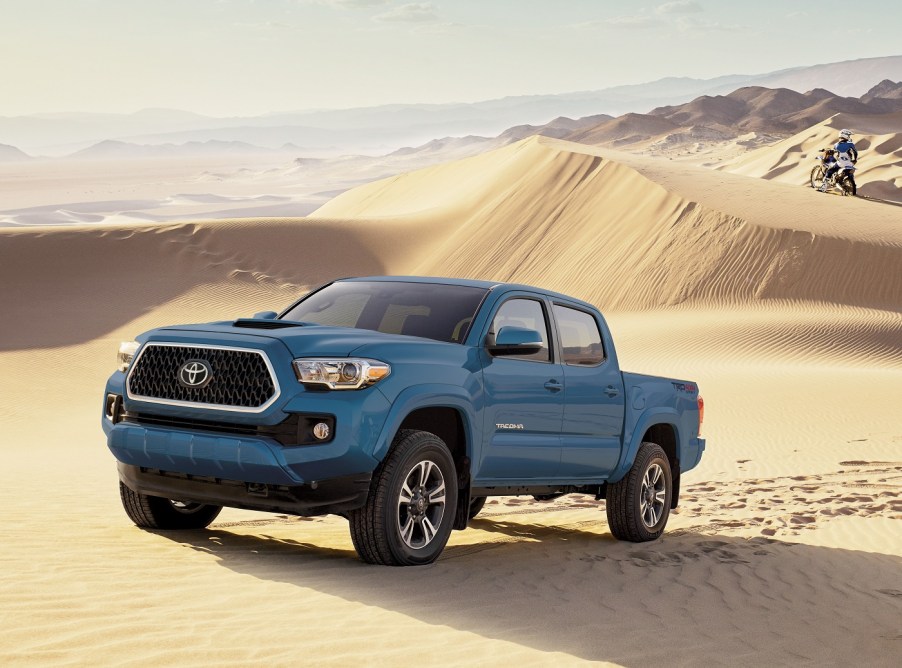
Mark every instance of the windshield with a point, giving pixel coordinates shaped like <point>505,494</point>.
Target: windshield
<point>430,310</point>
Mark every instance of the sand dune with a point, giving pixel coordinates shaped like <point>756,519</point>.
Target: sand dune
<point>785,548</point>
<point>554,213</point>
<point>878,138</point>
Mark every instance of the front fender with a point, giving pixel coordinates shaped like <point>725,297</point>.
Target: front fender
<point>646,420</point>
<point>430,395</point>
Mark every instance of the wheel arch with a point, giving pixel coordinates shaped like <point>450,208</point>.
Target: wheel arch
<point>446,422</point>
<point>661,427</point>
<point>444,411</point>
<point>665,435</point>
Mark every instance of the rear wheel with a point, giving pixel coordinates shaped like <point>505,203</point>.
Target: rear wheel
<point>638,505</point>
<point>476,504</point>
<point>409,512</point>
<point>154,512</point>
<point>847,184</point>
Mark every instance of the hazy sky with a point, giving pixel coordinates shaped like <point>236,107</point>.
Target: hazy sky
<point>231,57</point>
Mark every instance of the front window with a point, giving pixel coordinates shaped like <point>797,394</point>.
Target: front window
<point>527,313</point>
<point>431,310</point>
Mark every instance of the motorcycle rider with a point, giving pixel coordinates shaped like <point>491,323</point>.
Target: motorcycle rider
<point>846,156</point>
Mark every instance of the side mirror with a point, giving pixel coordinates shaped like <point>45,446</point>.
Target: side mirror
<point>515,341</point>
<point>266,315</point>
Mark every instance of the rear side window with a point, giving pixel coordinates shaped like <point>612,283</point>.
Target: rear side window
<point>579,336</point>
<point>526,313</point>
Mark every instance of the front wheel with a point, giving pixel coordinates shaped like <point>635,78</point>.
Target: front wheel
<point>638,505</point>
<point>409,512</point>
<point>155,512</point>
<point>817,177</point>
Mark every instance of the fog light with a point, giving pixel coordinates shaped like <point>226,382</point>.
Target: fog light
<point>321,431</point>
<point>112,408</point>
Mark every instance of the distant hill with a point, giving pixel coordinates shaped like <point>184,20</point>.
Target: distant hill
<point>774,113</point>
<point>850,78</point>
<point>626,129</point>
<point>781,109</point>
<point>388,127</point>
<point>558,128</point>
<point>886,89</point>
<point>749,109</point>
<point>118,150</point>
<point>12,154</point>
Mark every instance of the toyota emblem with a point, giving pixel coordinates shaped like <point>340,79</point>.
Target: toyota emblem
<point>195,374</point>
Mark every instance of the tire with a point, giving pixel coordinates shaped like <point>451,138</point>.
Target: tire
<point>476,504</point>
<point>409,512</point>
<point>817,177</point>
<point>154,512</point>
<point>634,513</point>
<point>848,185</point>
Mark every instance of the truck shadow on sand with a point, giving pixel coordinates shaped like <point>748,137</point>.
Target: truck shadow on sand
<point>687,598</point>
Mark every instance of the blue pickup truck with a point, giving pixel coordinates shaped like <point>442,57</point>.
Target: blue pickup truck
<point>399,403</point>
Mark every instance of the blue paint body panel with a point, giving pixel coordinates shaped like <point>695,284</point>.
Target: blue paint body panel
<point>524,422</point>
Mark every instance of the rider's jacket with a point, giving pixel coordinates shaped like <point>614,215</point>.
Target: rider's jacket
<point>846,154</point>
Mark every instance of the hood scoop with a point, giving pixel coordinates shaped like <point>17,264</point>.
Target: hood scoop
<point>259,323</point>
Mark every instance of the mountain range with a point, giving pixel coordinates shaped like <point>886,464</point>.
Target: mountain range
<point>747,109</point>
<point>384,128</point>
<point>770,113</point>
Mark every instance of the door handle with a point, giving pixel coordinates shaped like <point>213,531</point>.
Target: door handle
<point>553,386</point>
<point>611,391</point>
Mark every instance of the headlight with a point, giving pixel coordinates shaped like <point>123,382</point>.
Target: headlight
<point>127,350</point>
<point>340,374</point>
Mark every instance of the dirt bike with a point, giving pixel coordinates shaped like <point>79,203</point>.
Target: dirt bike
<point>843,180</point>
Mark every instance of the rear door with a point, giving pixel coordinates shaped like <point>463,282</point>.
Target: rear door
<point>593,397</point>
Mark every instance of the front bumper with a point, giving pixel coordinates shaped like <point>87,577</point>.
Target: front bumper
<point>335,495</point>
<point>256,473</point>
<point>262,459</point>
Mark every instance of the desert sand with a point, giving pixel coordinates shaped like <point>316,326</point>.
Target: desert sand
<point>69,191</point>
<point>784,304</point>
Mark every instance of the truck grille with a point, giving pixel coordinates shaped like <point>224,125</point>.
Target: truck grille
<point>238,379</point>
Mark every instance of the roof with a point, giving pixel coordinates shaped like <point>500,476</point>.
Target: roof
<point>467,282</point>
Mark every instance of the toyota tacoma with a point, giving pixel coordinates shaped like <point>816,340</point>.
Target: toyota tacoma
<point>399,403</point>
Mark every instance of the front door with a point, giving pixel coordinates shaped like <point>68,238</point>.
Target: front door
<point>524,402</point>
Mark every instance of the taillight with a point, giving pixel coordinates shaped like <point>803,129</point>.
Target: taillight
<point>701,413</point>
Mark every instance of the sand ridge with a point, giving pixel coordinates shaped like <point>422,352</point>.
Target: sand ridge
<point>626,217</point>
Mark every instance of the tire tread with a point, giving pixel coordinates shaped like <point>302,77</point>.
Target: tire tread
<point>622,503</point>
<point>369,533</point>
<point>153,512</point>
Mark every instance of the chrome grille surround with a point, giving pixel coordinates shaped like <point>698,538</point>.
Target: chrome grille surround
<point>169,392</point>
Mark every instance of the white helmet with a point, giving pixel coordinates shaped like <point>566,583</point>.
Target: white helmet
<point>845,134</point>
